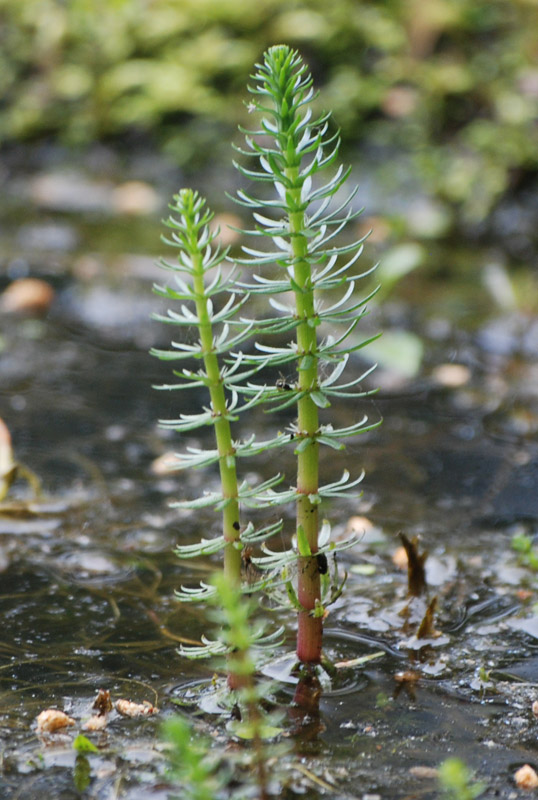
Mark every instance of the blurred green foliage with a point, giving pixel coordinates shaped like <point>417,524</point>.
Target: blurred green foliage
<point>452,85</point>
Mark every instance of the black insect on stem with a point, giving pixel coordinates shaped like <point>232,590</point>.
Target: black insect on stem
<point>323,564</point>
<point>283,384</point>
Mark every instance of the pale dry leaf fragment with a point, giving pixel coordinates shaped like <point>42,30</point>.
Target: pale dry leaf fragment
<point>129,709</point>
<point>363,529</point>
<point>399,558</point>
<point>8,466</point>
<point>52,720</point>
<point>355,662</point>
<point>526,777</point>
<point>165,464</point>
<point>358,524</point>
<point>424,772</point>
<point>96,723</point>
<point>225,225</point>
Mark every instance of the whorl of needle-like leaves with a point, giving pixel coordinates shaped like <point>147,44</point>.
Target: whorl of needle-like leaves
<point>201,275</point>
<point>304,256</point>
<point>302,220</point>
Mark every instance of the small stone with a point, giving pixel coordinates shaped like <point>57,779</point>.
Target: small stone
<point>30,296</point>
<point>400,101</point>
<point>226,224</point>
<point>165,464</point>
<point>358,524</point>
<point>452,376</point>
<point>135,198</point>
<point>52,237</point>
<point>526,777</point>
<point>70,191</point>
<point>364,529</point>
<point>378,229</point>
<point>535,708</point>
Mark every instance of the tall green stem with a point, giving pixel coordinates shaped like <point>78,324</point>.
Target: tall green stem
<point>309,636</point>
<point>228,474</point>
<point>300,224</point>
<point>192,236</point>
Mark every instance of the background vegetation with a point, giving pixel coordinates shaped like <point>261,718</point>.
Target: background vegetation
<point>449,86</point>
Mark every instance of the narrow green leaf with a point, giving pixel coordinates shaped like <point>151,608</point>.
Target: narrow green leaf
<point>82,744</point>
<point>302,542</point>
<point>320,399</point>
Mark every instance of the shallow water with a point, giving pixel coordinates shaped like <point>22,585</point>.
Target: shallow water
<point>88,574</point>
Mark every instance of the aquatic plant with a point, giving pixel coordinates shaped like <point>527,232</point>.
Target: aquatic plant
<point>524,546</point>
<point>456,780</point>
<point>252,722</point>
<point>192,764</point>
<point>302,218</point>
<point>302,264</point>
<point>201,772</point>
<point>199,277</point>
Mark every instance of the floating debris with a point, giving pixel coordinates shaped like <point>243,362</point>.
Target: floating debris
<point>407,676</point>
<point>96,723</point>
<point>416,576</point>
<point>424,772</point>
<point>52,720</point>
<point>356,662</point>
<point>427,628</point>
<point>129,709</point>
<point>526,778</point>
<point>102,703</point>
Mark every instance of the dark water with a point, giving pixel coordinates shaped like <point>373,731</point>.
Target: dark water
<point>88,574</point>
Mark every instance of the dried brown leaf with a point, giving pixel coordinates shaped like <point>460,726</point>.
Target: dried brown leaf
<point>102,703</point>
<point>427,628</point>
<point>416,575</point>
